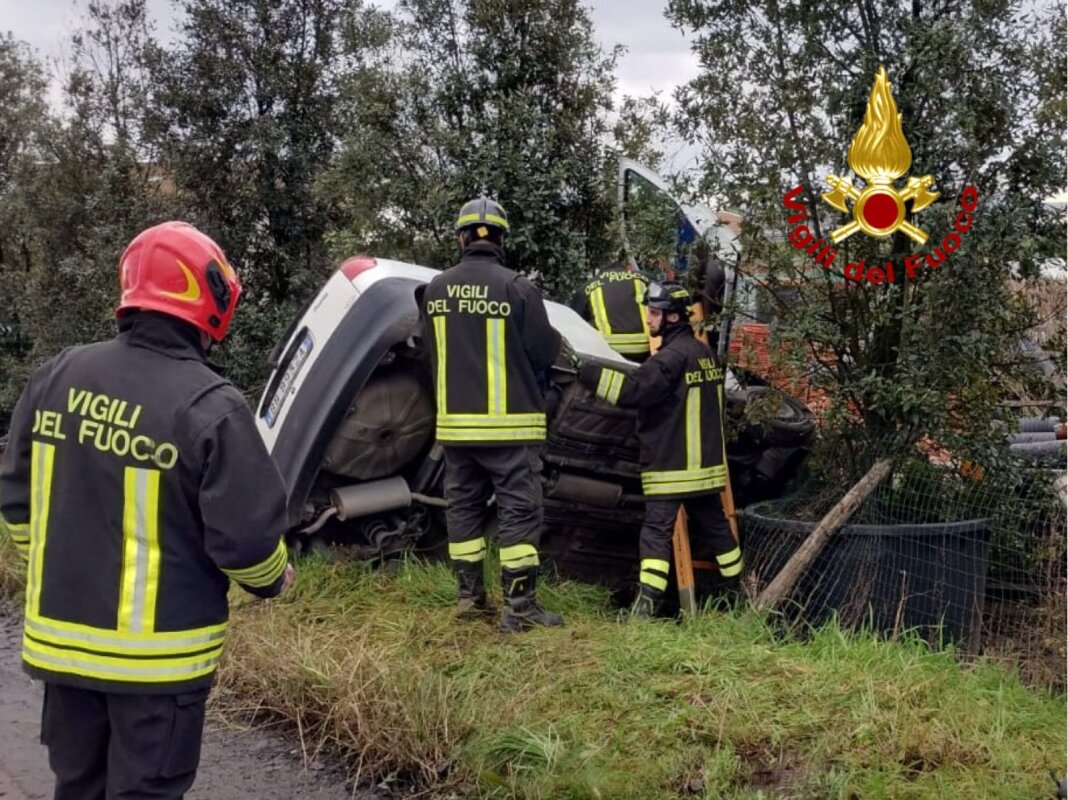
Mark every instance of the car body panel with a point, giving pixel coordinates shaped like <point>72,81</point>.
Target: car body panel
<point>367,325</point>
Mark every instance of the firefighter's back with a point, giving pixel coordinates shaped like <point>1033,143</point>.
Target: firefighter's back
<point>491,339</point>
<point>612,302</point>
<point>121,588</point>
<point>135,485</point>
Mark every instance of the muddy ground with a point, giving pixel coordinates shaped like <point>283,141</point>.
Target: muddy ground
<point>236,764</point>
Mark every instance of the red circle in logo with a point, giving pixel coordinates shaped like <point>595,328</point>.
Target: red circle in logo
<point>880,210</point>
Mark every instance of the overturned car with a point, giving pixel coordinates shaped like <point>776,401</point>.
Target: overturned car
<point>348,416</point>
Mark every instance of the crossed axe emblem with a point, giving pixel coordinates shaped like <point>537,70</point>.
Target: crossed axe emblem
<point>879,208</point>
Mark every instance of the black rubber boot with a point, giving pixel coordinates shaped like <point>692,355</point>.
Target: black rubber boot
<point>729,595</point>
<point>472,585</point>
<point>521,610</point>
<point>647,604</point>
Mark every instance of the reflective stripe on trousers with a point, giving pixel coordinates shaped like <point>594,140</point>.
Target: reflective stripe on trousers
<point>654,573</point>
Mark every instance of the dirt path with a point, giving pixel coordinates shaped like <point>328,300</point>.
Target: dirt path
<point>235,765</point>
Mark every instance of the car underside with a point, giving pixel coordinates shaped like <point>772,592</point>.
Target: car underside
<point>348,416</point>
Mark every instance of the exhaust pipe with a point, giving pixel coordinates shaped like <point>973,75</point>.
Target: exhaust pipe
<point>373,497</point>
<point>578,489</point>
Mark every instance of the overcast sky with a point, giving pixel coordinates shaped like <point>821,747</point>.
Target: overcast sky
<point>657,57</point>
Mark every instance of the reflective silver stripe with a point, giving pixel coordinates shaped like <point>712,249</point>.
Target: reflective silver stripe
<point>496,380</point>
<point>91,669</point>
<point>113,641</point>
<point>439,342</point>
<point>693,429</point>
<point>41,464</point>
<point>138,610</point>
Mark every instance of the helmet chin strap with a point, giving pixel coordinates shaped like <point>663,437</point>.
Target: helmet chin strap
<point>679,324</point>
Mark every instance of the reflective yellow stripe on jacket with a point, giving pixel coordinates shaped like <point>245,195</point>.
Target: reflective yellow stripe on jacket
<point>609,385</point>
<point>487,428</point>
<point>624,343</point>
<point>684,481</point>
<point>496,425</point>
<point>694,478</point>
<point>133,651</point>
<point>141,553</point>
<point>118,668</point>
<point>42,463</point>
<point>20,535</point>
<point>266,572</point>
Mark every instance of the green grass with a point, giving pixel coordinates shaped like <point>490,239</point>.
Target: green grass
<point>377,666</point>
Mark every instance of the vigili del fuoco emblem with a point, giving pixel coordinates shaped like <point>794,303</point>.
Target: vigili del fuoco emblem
<point>880,154</point>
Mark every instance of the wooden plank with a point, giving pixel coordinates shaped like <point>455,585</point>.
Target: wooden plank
<point>784,582</point>
<point>684,565</point>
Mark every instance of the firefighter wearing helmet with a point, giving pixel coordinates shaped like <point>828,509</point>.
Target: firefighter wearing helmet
<point>612,303</point>
<point>679,396</point>
<point>136,486</point>
<point>491,343</point>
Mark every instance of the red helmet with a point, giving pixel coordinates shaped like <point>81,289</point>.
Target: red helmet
<point>175,269</point>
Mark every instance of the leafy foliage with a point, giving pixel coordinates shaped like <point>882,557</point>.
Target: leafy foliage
<point>510,101</point>
<point>78,189</point>
<point>981,89</point>
<point>245,114</point>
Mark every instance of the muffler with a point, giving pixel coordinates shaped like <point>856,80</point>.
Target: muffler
<point>578,489</point>
<point>373,497</point>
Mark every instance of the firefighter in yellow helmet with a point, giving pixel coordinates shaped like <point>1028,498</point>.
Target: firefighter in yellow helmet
<point>491,343</point>
<point>612,303</point>
<point>679,396</point>
<point>137,487</point>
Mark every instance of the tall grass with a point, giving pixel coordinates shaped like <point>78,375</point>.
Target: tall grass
<point>376,666</point>
<point>716,707</point>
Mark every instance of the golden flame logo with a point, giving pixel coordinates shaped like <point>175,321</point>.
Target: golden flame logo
<point>880,154</point>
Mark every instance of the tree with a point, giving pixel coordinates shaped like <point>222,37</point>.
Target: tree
<point>509,99</point>
<point>23,120</point>
<point>245,115</point>
<point>80,189</point>
<point>981,87</point>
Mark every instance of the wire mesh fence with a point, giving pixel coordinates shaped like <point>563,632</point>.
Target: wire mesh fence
<point>942,549</point>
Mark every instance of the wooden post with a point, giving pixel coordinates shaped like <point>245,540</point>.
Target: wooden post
<point>784,582</point>
<point>684,565</point>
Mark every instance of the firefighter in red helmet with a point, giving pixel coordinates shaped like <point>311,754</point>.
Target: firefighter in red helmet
<point>135,484</point>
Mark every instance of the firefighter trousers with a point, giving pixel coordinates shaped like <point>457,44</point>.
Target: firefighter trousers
<point>513,474</point>
<point>709,531</point>
<point>107,746</point>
